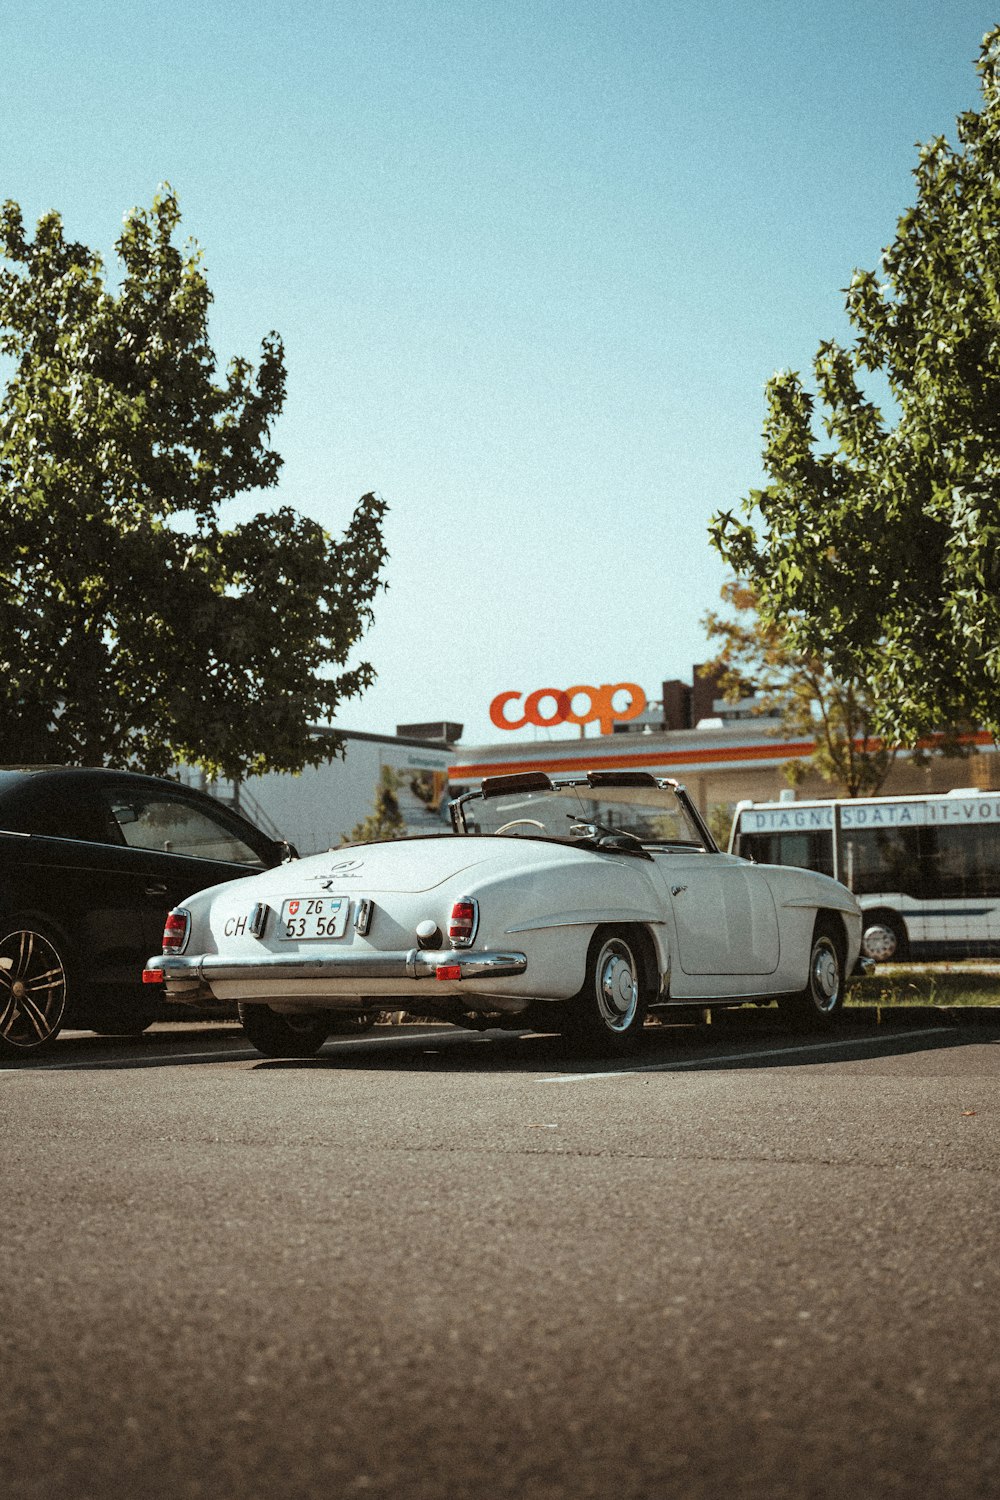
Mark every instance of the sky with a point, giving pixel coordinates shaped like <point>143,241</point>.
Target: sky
<point>532,263</point>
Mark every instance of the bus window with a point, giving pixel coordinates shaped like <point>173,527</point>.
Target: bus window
<point>794,849</point>
<point>760,847</point>
<point>881,859</point>
<point>963,861</point>
<point>806,851</point>
<point>989,861</point>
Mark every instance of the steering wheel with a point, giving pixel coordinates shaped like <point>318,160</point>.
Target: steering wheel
<point>531,822</point>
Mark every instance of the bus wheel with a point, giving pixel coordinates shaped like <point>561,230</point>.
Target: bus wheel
<point>883,938</point>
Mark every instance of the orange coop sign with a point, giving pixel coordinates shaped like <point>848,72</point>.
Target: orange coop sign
<point>547,707</point>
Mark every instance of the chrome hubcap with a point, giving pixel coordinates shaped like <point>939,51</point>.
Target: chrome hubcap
<point>825,975</point>
<point>32,989</point>
<point>617,985</point>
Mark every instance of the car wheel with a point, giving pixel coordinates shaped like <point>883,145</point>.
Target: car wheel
<point>822,1000</point>
<point>608,1014</point>
<point>278,1035</point>
<point>35,982</point>
<point>884,938</point>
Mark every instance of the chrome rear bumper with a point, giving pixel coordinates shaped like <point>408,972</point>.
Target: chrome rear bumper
<point>183,971</point>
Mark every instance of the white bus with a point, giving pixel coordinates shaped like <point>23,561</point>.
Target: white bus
<point>926,870</point>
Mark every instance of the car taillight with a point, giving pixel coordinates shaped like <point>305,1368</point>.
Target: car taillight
<point>176,931</point>
<point>463,922</point>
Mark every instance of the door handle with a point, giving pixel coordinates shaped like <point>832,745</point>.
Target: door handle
<point>675,890</point>
<point>156,890</point>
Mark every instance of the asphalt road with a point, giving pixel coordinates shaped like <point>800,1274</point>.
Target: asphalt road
<point>436,1264</point>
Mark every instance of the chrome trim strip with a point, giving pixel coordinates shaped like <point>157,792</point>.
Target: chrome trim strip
<point>595,918</point>
<point>840,901</point>
<point>416,963</point>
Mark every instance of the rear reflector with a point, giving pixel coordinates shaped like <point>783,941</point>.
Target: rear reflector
<point>448,971</point>
<point>152,976</point>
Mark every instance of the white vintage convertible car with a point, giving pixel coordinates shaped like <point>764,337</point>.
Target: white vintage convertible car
<point>567,903</point>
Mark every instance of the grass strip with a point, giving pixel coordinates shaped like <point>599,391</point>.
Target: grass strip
<point>927,985</point>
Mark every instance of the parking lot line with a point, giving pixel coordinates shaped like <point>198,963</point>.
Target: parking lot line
<point>734,1057</point>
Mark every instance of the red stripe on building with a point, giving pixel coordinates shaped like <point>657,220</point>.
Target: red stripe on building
<point>639,760</point>
<point>631,762</point>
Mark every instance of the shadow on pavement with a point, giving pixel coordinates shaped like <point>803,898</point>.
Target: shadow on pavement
<point>762,1041</point>
<point>733,1041</point>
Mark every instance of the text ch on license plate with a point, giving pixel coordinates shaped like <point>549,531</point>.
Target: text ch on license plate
<point>314,917</point>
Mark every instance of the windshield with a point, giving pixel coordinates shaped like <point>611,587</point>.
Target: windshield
<point>581,808</point>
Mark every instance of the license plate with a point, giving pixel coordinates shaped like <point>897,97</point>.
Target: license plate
<point>307,917</point>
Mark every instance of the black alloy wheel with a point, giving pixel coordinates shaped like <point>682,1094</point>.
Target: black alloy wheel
<point>34,987</point>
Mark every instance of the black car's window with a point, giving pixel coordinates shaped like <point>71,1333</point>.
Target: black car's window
<point>53,809</point>
<point>172,825</point>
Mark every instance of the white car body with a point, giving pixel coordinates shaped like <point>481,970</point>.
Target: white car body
<point>699,926</point>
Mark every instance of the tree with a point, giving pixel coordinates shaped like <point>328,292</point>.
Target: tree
<point>720,822</point>
<point>882,553</point>
<point>755,658</point>
<point>386,821</point>
<point>134,627</point>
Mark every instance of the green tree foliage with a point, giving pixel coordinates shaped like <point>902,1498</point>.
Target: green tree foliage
<point>134,627</point>
<point>755,657</point>
<point>720,822</point>
<point>881,552</point>
<point>386,821</point>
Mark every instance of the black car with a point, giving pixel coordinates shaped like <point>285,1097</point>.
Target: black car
<point>91,861</point>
